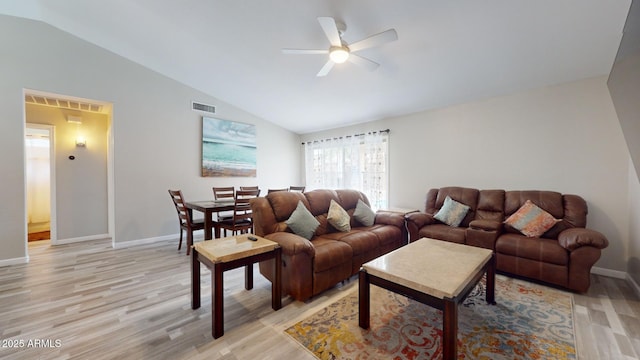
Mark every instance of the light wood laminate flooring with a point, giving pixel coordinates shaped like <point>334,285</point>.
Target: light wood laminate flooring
<point>90,301</point>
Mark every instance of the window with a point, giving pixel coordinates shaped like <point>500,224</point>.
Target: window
<point>358,162</point>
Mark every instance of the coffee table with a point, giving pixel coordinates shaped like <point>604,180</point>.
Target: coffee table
<point>437,273</point>
<point>220,255</point>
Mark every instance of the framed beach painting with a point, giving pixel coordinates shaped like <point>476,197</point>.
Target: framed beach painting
<point>228,148</point>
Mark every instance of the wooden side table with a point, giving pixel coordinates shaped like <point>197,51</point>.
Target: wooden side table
<point>220,255</point>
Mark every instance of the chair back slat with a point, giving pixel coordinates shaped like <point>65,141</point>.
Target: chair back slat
<point>250,188</point>
<point>269,191</point>
<point>178,201</point>
<point>221,193</point>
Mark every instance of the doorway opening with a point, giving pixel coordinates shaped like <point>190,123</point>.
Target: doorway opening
<point>80,143</point>
<point>40,182</point>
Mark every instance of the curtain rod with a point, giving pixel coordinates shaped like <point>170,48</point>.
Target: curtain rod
<point>347,136</point>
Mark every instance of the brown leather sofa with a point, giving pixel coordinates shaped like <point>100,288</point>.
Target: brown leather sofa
<point>561,256</point>
<point>330,256</point>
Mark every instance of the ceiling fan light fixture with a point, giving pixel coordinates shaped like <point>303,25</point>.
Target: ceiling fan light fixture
<point>339,54</point>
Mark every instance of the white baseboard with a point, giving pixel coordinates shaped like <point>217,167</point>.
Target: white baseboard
<point>610,273</point>
<point>126,244</point>
<point>14,261</point>
<point>634,284</point>
<point>82,238</point>
<point>198,235</point>
<point>618,275</point>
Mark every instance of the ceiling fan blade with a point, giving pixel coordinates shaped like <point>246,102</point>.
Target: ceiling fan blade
<point>364,62</point>
<point>326,68</point>
<point>331,30</point>
<point>374,40</point>
<point>304,51</point>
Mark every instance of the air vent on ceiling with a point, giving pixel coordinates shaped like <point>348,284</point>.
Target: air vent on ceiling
<point>203,107</point>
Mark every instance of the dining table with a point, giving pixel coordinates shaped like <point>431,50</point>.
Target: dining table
<point>207,208</point>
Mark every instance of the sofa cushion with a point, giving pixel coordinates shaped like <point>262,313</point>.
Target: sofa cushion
<point>543,250</point>
<point>331,254</point>
<point>364,214</point>
<point>338,217</point>
<point>301,222</point>
<point>387,235</point>
<point>452,212</point>
<point>443,232</point>
<point>467,196</point>
<point>283,203</point>
<point>360,241</point>
<point>531,220</point>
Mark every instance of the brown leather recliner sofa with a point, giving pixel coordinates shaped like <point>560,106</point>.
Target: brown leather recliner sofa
<point>562,256</point>
<point>330,256</point>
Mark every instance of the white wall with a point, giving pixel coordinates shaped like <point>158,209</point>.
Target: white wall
<point>633,249</point>
<point>565,138</point>
<point>156,134</point>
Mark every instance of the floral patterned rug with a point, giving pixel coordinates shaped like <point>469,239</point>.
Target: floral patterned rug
<point>530,321</point>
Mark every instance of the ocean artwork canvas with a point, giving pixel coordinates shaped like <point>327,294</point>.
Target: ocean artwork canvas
<point>228,148</point>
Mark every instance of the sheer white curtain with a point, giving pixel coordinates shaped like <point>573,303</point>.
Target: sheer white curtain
<point>358,162</point>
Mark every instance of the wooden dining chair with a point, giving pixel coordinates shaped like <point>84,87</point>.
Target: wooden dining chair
<point>269,191</point>
<point>222,193</point>
<point>184,217</point>
<point>296,188</point>
<point>242,220</point>
<point>250,188</point>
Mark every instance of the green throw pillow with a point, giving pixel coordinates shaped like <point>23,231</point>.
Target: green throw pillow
<point>363,214</point>
<point>302,222</point>
<point>338,217</point>
<point>452,212</point>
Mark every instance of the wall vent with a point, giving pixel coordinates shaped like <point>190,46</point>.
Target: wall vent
<point>64,103</point>
<point>203,107</point>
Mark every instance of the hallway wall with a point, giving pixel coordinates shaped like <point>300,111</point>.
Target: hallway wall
<point>80,181</point>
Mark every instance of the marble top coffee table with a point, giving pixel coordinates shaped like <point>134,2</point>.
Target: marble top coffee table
<point>437,273</point>
<point>220,255</point>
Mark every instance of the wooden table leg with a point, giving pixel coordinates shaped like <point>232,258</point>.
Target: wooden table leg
<point>195,280</point>
<point>208,224</point>
<point>248,277</point>
<point>491,281</point>
<point>276,286</point>
<point>450,330</point>
<point>364,301</point>
<point>217,303</point>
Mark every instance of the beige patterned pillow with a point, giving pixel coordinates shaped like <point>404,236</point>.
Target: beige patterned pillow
<point>531,220</point>
<point>338,217</point>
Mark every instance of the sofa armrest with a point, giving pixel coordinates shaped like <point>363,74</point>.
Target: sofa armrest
<point>419,219</point>
<point>415,221</point>
<point>486,225</point>
<point>389,218</point>
<point>292,244</point>
<point>574,238</point>
<point>264,220</point>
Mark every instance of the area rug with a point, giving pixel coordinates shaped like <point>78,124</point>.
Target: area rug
<point>530,321</point>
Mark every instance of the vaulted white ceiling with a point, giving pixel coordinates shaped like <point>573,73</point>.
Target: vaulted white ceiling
<point>447,52</point>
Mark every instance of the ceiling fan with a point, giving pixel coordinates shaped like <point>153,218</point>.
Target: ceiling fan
<point>340,51</point>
